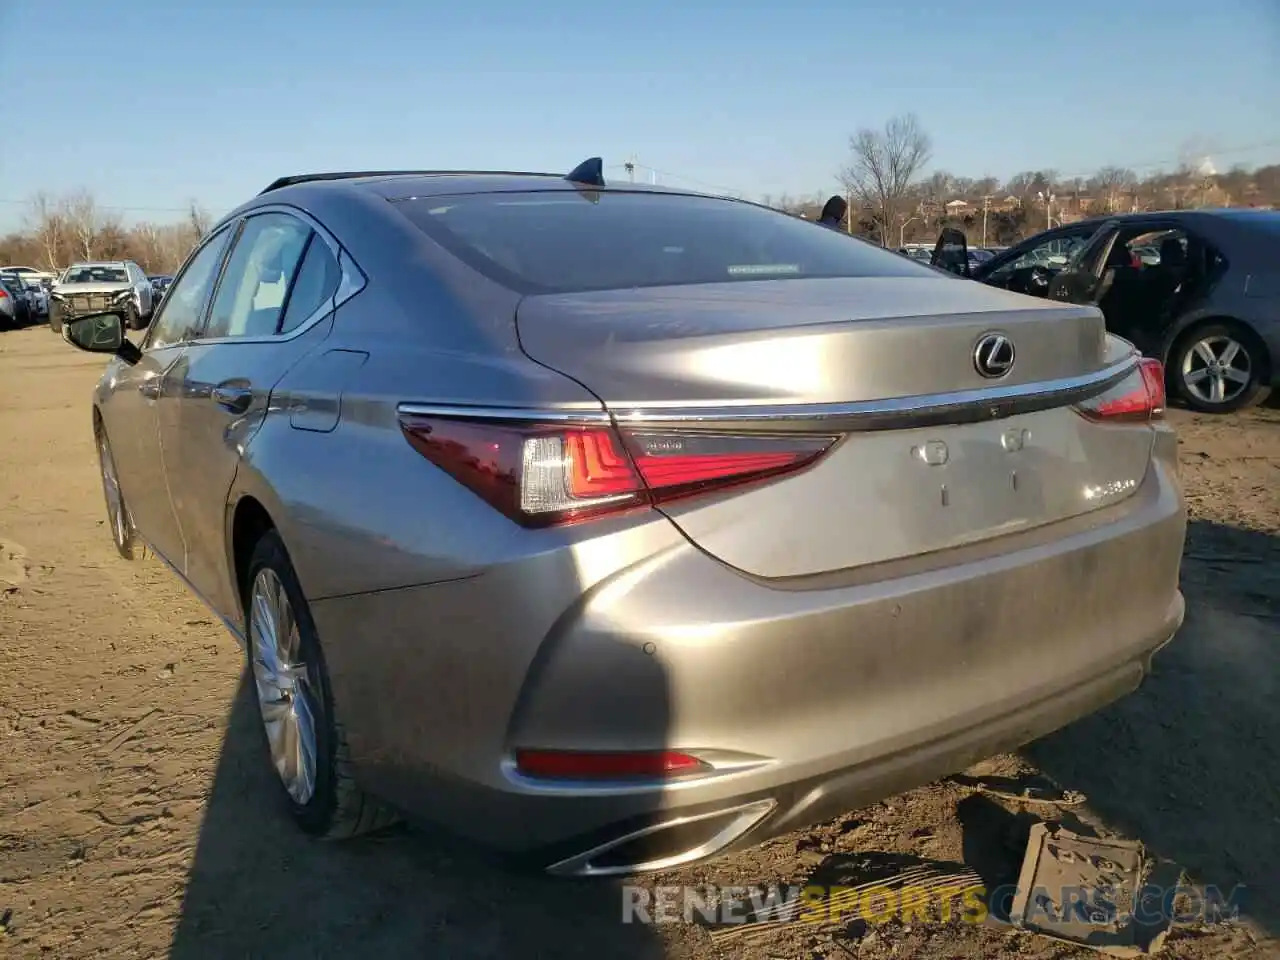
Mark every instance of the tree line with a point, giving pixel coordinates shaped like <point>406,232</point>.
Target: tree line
<point>892,202</point>
<point>60,230</point>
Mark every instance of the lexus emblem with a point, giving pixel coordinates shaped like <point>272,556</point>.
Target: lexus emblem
<point>993,355</point>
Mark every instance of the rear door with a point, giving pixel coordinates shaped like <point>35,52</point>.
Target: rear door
<point>271,308</point>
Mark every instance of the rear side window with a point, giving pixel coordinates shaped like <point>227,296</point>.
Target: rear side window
<point>563,241</point>
<point>316,282</point>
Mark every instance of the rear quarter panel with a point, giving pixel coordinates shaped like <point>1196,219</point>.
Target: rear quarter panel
<point>358,507</point>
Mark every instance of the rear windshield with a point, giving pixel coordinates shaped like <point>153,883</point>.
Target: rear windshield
<point>566,242</point>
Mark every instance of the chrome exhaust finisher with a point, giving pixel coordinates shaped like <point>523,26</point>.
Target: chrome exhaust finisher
<point>734,822</point>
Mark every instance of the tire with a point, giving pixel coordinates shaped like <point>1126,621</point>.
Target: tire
<point>330,805</point>
<point>132,319</point>
<point>119,520</point>
<point>1242,383</point>
<point>55,321</point>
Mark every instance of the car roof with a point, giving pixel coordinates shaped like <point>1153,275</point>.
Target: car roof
<point>97,263</point>
<point>410,184</point>
<point>1214,213</point>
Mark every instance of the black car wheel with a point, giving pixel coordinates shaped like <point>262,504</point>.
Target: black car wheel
<point>1219,368</point>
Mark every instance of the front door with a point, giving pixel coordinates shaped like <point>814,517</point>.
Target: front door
<point>1085,277</point>
<point>131,420</point>
<point>145,390</point>
<point>273,306</point>
<point>951,252</point>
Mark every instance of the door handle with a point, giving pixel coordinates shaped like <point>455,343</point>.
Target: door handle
<point>150,388</point>
<point>235,397</point>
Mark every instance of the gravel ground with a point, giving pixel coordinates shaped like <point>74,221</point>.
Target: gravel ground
<point>134,813</point>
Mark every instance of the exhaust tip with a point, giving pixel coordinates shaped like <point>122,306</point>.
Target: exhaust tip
<point>665,845</point>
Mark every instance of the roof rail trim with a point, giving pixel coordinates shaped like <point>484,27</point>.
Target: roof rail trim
<point>356,174</point>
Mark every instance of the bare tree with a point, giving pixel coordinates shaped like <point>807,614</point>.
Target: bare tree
<point>82,219</point>
<point>986,186</point>
<point>1112,183</point>
<point>199,219</point>
<point>883,164</point>
<point>1022,185</point>
<point>47,223</point>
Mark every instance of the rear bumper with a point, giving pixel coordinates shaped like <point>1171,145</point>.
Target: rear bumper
<point>818,698</point>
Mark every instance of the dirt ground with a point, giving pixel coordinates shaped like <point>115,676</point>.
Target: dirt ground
<point>134,797</point>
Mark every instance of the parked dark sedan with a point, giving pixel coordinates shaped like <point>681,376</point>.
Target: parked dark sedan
<point>1197,289</point>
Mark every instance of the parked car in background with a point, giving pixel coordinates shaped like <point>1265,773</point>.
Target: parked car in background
<point>86,288</point>
<point>1197,289</point>
<point>15,308</point>
<point>37,298</point>
<point>622,561</point>
<point>159,284</point>
<point>34,289</point>
<point>31,273</point>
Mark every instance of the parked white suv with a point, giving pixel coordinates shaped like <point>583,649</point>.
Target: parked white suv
<point>102,287</point>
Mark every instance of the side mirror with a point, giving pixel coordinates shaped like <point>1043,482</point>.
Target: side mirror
<point>101,333</point>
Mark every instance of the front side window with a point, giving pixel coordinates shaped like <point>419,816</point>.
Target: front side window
<point>564,241</point>
<point>1052,254</point>
<point>254,286</point>
<point>184,307</point>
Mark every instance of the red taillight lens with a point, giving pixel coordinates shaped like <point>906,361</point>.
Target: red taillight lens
<point>588,765</point>
<point>4,294</point>
<point>1139,396</point>
<point>678,464</point>
<point>543,474</point>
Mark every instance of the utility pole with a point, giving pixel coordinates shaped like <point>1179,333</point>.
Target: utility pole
<point>848,213</point>
<point>986,205</point>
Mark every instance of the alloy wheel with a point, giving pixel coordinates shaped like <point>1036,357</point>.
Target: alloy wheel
<point>285,692</point>
<point>116,515</point>
<point>1216,369</point>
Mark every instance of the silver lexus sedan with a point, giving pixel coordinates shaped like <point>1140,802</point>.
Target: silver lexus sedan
<point>618,528</point>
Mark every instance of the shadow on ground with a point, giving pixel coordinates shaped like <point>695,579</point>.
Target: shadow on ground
<point>1190,764</point>
<point>258,887</point>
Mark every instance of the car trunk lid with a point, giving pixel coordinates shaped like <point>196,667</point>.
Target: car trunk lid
<point>953,402</point>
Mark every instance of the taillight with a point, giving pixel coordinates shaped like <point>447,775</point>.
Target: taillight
<point>1138,397</point>
<point>4,294</point>
<point>548,474</point>
<point>590,765</point>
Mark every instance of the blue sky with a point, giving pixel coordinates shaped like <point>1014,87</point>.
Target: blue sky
<point>149,104</point>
